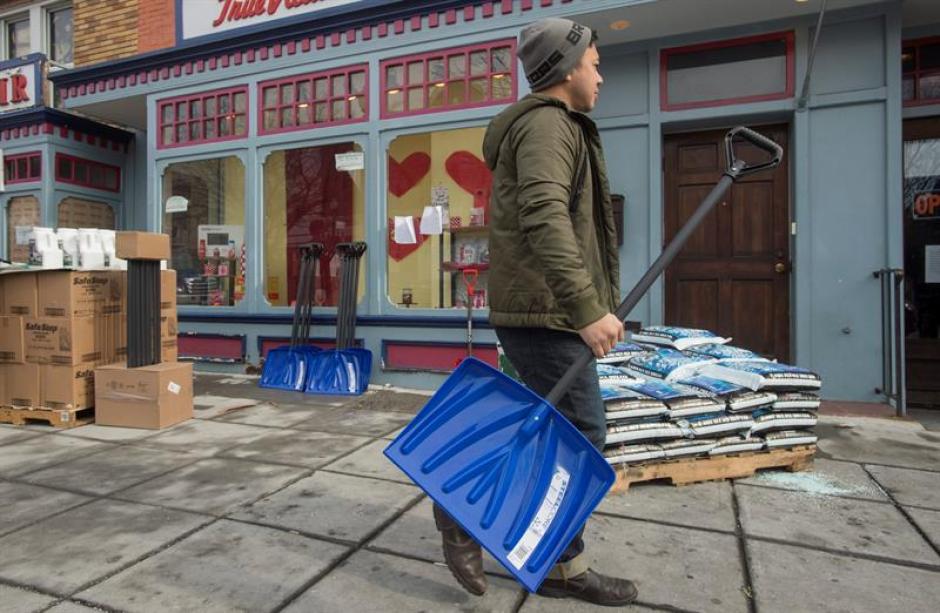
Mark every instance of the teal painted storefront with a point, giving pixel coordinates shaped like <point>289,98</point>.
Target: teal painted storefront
<point>845,158</point>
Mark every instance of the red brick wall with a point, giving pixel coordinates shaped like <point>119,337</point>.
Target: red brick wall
<point>156,25</point>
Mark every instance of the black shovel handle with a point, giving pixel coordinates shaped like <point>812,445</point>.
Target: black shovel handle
<point>736,168</point>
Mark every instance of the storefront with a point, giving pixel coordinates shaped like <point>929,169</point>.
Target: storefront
<point>267,128</point>
<point>59,169</point>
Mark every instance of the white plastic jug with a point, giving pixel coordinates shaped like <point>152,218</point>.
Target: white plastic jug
<point>45,248</point>
<point>90,251</point>
<point>108,238</point>
<point>68,242</point>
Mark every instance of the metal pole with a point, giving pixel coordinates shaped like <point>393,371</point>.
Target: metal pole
<point>900,366</point>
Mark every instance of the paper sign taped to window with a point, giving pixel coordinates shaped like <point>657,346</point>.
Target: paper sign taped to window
<point>350,161</point>
<point>932,264</point>
<point>405,230</point>
<point>432,221</point>
<point>22,234</point>
<point>177,204</point>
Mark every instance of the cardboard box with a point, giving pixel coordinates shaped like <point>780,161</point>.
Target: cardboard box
<point>20,294</point>
<point>142,246</point>
<point>67,387</point>
<point>150,397</point>
<point>12,347</point>
<point>168,290</point>
<point>79,293</point>
<point>73,340</point>
<point>22,385</point>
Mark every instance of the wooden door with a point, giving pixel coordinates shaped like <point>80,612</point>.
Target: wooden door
<point>733,276</point>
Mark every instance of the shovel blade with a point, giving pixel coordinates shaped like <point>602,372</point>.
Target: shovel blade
<point>286,368</point>
<point>506,465</point>
<point>343,372</point>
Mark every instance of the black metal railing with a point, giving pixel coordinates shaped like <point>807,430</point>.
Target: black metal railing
<point>893,384</point>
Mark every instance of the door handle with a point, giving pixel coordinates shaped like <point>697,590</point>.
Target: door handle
<point>780,268</point>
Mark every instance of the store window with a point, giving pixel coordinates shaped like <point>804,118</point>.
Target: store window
<point>728,72</point>
<point>87,173</point>
<point>449,79</point>
<point>59,27</point>
<point>427,268</point>
<point>306,101</point>
<point>17,35</point>
<point>204,204</point>
<point>202,118</point>
<point>920,66</point>
<point>314,194</point>
<point>22,214</point>
<point>81,213</point>
<point>23,167</point>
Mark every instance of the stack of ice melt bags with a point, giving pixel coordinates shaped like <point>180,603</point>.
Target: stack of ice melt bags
<point>684,392</point>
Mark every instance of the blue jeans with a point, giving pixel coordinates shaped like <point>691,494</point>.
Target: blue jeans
<point>541,356</point>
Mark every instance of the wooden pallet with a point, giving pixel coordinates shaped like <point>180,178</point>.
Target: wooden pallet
<point>732,466</point>
<point>57,418</point>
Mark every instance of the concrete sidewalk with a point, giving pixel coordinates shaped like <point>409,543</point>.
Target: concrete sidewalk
<point>273,501</point>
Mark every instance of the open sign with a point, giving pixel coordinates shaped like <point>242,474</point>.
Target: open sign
<point>927,205</point>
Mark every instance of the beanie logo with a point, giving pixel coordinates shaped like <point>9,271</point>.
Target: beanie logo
<point>545,67</point>
<point>575,34</point>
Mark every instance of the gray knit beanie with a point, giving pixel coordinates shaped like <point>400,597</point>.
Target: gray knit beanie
<point>550,48</point>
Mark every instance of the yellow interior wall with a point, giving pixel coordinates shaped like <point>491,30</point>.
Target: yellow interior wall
<point>419,270</point>
<point>233,196</point>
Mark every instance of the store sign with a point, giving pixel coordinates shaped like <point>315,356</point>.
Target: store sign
<point>17,88</point>
<point>927,205</point>
<point>204,17</point>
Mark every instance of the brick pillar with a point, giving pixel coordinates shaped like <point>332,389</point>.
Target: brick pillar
<point>156,25</point>
<point>104,30</point>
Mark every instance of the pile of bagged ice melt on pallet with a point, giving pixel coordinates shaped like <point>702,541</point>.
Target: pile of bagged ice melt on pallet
<point>680,392</point>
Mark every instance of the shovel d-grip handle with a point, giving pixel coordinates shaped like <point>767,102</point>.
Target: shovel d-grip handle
<point>736,168</point>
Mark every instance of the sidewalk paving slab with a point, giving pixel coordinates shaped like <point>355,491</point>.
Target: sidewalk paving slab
<point>918,488</point>
<point>829,477</point>
<point>199,573</point>
<point>297,448</point>
<point>12,434</point>
<point>16,600</point>
<point>208,406</point>
<point>214,485</point>
<point>878,441</point>
<point>414,534</point>
<point>204,437</point>
<point>537,604</point>
<point>929,522</point>
<point>273,415</point>
<point>704,505</point>
<point>109,434</point>
<point>109,471</point>
<point>689,569</point>
<point>369,462</point>
<point>67,606</point>
<point>360,422</point>
<point>789,578</point>
<point>370,581</point>
<point>43,451</point>
<point>833,523</point>
<point>63,553</point>
<point>393,435</point>
<point>332,505</point>
<point>22,504</point>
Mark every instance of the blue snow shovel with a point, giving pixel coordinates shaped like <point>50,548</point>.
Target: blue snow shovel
<point>346,370</point>
<point>287,367</point>
<point>503,462</point>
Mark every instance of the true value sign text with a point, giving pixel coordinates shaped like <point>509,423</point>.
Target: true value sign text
<point>202,17</point>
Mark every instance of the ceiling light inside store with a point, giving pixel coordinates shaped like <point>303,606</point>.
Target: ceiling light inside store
<point>303,105</point>
<point>499,76</point>
<point>620,24</point>
<point>438,85</point>
<point>394,91</point>
<point>352,98</point>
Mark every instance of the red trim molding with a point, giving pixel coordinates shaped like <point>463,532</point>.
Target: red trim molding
<point>207,117</point>
<point>22,167</point>
<point>312,100</point>
<point>432,357</point>
<point>87,173</point>
<point>665,54</point>
<point>197,347</point>
<point>913,47</point>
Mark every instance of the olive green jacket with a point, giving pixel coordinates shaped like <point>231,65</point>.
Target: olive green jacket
<point>549,267</point>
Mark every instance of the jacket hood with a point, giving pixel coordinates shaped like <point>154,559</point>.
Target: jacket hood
<point>499,127</point>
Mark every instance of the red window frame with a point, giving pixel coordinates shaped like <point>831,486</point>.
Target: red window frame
<point>329,99</point>
<point>426,84</point>
<point>14,176</point>
<point>914,46</point>
<point>665,54</point>
<point>216,119</point>
<point>87,180</point>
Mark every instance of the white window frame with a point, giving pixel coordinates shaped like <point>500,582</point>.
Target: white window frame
<point>46,15</point>
<point>5,22</point>
<point>38,14</point>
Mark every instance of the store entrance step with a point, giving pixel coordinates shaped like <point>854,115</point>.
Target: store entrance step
<point>57,418</point>
<point>684,471</point>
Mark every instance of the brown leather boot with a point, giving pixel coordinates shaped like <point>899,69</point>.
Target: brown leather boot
<point>463,554</point>
<point>591,587</point>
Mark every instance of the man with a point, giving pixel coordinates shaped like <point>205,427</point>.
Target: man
<point>553,265</point>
